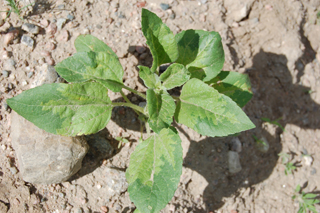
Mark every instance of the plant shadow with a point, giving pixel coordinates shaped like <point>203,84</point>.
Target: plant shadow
<point>275,96</point>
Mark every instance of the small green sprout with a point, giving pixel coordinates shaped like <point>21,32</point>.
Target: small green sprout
<point>284,157</point>
<point>306,200</point>
<point>15,8</point>
<point>275,122</point>
<point>290,167</point>
<point>259,141</point>
<point>121,141</point>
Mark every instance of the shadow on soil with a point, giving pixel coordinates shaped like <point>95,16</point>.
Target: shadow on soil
<point>275,96</point>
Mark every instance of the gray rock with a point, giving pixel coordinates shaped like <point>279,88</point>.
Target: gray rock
<point>203,1</point>
<point>45,158</point>
<point>234,162</point>
<point>236,144</point>
<point>30,74</point>
<point>46,75</point>
<point>70,17</point>
<point>61,6</point>
<point>103,181</point>
<point>30,28</point>
<point>164,6</point>
<point>262,145</point>
<point>61,22</point>
<point>9,64</point>
<point>5,73</point>
<point>27,40</point>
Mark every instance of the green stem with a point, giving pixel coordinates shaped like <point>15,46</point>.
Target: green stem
<point>135,107</point>
<point>128,101</point>
<point>134,91</point>
<point>176,98</point>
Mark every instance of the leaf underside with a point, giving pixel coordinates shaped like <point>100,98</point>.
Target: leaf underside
<point>208,112</point>
<point>154,171</point>
<point>65,109</point>
<point>235,85</point>
<point>160,39</point>
<point>161,109</point>
<point>201,52</point>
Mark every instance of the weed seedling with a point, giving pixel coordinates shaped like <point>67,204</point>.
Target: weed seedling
<point>306,200</point>
<point>121,141</point>
<point>275,122</point>
<point>210,102</point>
<point>15,8</point>
<point>289,168</point>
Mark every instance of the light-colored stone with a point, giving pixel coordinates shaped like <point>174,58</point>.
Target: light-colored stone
<point>46,74</point>
<point>44,157</point>
<point>234,162</point>
<point>30,28</point>
<point>236,145</point>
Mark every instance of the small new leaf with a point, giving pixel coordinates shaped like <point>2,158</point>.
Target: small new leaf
<point>160,39</point>
<point>208,112</point>
<point>175,75</point>
<point>154,171</point>
<point>150,79</point>
<point>65,109</point>
<point>161,108</point>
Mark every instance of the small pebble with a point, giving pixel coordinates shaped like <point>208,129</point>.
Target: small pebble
<point>30,74</point>
<point>79,210</point>
<point>50,60</point>
<point>203,1</point>
<point>24,83</point>
<point>5,73</point>
<point>118,24</point>
<point>143,56</point>
<point>172,16</point>
<point>45,53</point>
<point>313,171</point>
<point>61,195</point>
<point>3,147</point>
<point>164,6</point>
<point>10,36</point>
<point>13,170</point>
<point>50,46</point>
<point>70,17</point>
<point>61,6</point>
<point>28,41</point>
<point>140,49</point>
<point>104,209</point>
<point>61,22</point>
<point>99,26</point>
<point>115,4</point>
<point>44,23</point>
<point>64,36</point>
<point>51,29</point>
<point>30,28</point>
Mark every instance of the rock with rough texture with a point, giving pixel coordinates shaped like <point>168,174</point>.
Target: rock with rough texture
<point>236,144</point>
<point>27,40</point>
<point>103,182</point>
<point>238,10</point>
<point>44,157</point>
<point>234,162</point>
<point>30,28</point>
<point>46,75</point>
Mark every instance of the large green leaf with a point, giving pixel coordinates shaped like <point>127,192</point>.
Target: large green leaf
<point>65,109</point>
<point>161,109</point>
<point>160,39</point>
<point>85,66</point>
<point>154,171</point>
<point>235,85</point>
<point>74,68</point>
<point>150,79</point>
<point>174,76</point>
<point>208,112</point>
<point>201,52</point>
<point>87,43</point>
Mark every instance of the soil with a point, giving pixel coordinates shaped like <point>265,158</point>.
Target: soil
<point>276,43</point>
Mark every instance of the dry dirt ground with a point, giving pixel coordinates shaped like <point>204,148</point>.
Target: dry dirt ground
<point>277,44</point>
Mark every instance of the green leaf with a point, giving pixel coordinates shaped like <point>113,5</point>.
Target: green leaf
<point>201,52</point>
<point>65,109</point>
<point>160,39</point>
<point>150,79</point>
<point>154,171</point>
<point>85,66</point>
<point>175,76</point>
<point>161,108</point>
<point>87,43</point>
<point>74,68</point>
<point>309,195</point>
<point>235,85</point>
<point>208,112</point>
